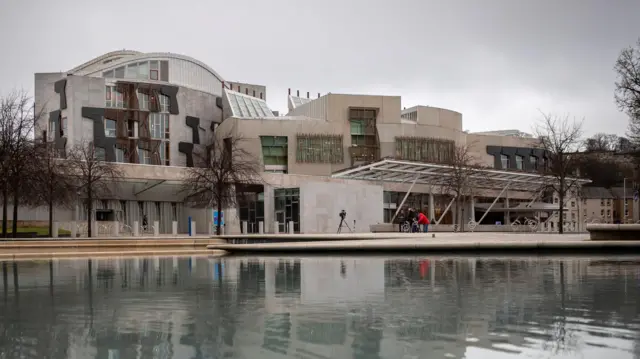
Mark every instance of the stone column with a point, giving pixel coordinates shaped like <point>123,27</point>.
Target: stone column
<point>261,227</point>
<point>174,228</point>
<point>276,227</point>
<point>156,228</point>
<point>193,228</point>
<point>432,209</point>
<point>291,228</point>
<point>54,229</point>
<point>245,227</point>
<point>136,228</point>
<point>472,209</point>
<point>507,215</point>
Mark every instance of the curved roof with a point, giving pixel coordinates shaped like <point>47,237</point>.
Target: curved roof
<point>130,55</point>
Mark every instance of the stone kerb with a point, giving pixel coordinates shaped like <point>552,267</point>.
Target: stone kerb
<point>603,231</point>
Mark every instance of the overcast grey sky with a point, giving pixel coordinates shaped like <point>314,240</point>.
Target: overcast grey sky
<point>496,61</point>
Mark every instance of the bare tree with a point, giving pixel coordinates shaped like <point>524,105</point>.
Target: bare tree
<point>220,167</point>
<point>17,121</point>
<point>627,88</point>
<point>461,181</point>
<point>561,138</point>
<point>94,177</point>
<point>55,184</point>
<point>603,142</point>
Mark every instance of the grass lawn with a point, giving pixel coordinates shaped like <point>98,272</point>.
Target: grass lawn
<point>41,231</point>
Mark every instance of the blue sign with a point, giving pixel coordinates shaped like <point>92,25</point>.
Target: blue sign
<point>215,218</point>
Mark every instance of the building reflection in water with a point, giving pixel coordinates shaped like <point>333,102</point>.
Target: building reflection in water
<point>364,307</point>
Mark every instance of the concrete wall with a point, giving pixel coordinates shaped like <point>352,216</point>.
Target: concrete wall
<point>321,202</point>
<point>46,99</point>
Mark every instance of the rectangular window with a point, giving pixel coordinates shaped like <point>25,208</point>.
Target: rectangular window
<point>132,71</point>
<point>164,103</point>
<point>608,202</point>
<point>132,128</point>
<point>63,125</point>
<point>120,155</point>
<point>109,128</point>
<point>504,159</point>
<point>158,125</point>
<point>143,70</point>
<point>164,70</point>
<point>319,149</point>
<point>52,131</point>
<point>602,201</point>
<point>143,101</point>
<point>99,153</point>
<point>119,72</point>
<point>144,156</point>
<point>534,161</point>
<point>153,70</point>
<point>602,212</point>
<point>519,162</point>
<point>424,149</point>
<point>274,150</point>
<point>608,213</point>
<point>108,74</point>
<point>113,98</point>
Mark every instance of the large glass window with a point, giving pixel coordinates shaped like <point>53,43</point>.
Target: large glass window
<point>144,157</point>
<point>164,103</point>
<point>100,154</point>
<point>287,208</point>
<point>519,162</point>
<point>143,101</point>
<point>504,159</point>
<point>274,150</point>
<point>319,149</point>
<point>158,125</point>
<point>132,71</point>
<point>143,70</point>
<point>534,162</point>
<point>120,155</point>
<point>113,98</point>
<point>424,149</point>
<point>109,128</point>
<point>154,70</point>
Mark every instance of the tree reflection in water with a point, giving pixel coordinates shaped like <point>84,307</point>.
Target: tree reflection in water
<point>317,308</point>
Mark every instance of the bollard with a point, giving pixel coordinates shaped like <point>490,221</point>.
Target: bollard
<point>74,229</point>
<point>136,229</point>
<point>193,228</point>
<point>276,227</point>
<point>94,229</point>
<point>54,229</point>
<point>116,229</point>
<point>156,228</point>
<point>261,227</point>
<point>174,228</point>
<point>291,229</point>
<point>212,230</point>
<point>244,227</point>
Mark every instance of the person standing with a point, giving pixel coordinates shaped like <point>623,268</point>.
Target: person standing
<point>423,221</point>
<point>400,218</point>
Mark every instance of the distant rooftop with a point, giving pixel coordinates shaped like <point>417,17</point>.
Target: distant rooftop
<point>295,101</point>
<point>511,133</point>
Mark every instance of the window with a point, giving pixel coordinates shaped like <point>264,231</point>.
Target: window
<point>519,162</point>
<point>424,149</point>
<point>113,98</point>
<point>608,202</point>
<point>555,199</point>
<point>274,150</point>
<point>504,160</point>
<point>164,103</point>
<point>573,203</point>
<point>120,155</point>
<point>143,70</point>
<point>602,212</point>
<point>573,216</point>
<point>602,201</point>
<point>533,160</point>
<point>153,70</point>
<point>144,157</point>
<point>132,71</point>
<point>143,101</point>
<point>132,128</point>
<point>99,153</point>
<point>158,125</point>
<point>108,74</point>
<point>119,72</point>
<point>52,131</point>
<point>109,128</point>
<point>63,125</point>
<point>608,213</point>
<point>319,149</point>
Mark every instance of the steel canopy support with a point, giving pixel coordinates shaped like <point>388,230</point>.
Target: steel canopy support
<point>159,182</point>
<point>446,209</point>
<point>405,198</point>
<point>494,202</point>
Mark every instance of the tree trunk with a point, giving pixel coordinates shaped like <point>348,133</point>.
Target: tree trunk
<point>219,226</point>
<point>89,212</point>
<point>5,208</point>
<point>561,203</point>
<point>50,218</point>
<point>15,215</point>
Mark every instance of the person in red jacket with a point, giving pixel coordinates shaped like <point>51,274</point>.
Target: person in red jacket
<point>424,221</point>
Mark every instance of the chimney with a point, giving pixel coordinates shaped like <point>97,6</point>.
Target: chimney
<point>297,93</point>
<point>318,94</point>
<point>261,95</point>
<point>223,86</point>
<point>254,93</point>
<point>289,91</point>
<point>307,94</point>
<point>246,90</point>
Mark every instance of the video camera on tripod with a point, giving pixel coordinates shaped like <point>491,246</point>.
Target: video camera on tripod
<point>343,222</point>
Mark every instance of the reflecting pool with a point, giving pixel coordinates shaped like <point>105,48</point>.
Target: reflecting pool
<point>320,307</point>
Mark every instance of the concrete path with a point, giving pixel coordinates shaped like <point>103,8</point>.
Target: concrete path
<point>443,242</point>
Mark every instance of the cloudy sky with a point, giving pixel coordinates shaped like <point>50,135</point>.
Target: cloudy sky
<point>499,62</point>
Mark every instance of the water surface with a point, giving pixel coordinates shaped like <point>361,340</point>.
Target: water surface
<point>319,307</point>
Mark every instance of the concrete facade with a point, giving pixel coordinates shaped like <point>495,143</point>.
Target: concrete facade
<point>200,105</point>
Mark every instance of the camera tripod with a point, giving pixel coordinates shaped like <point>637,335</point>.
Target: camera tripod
<point>343,223</point>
